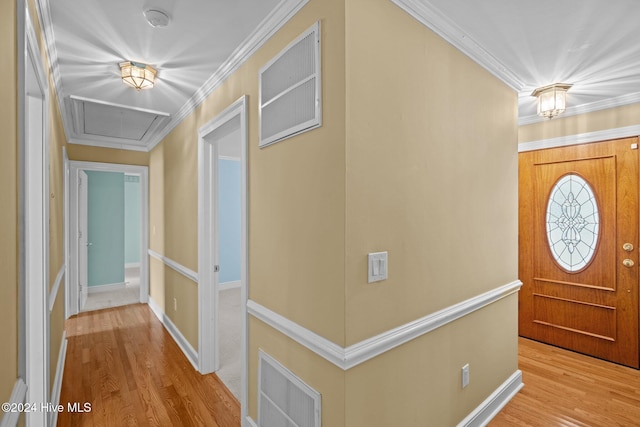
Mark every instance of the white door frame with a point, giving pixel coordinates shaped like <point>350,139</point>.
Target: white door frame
<point>33,130</point>
<point>83,244</point>
<point>71,210</point>
<point>207,295</point>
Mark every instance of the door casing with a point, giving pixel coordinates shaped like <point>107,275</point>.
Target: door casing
<point>207,293</point>
<point>72,290</point>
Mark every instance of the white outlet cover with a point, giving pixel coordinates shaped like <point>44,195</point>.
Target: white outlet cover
<point>378,267</point>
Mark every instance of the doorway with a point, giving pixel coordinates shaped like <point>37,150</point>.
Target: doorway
<point>578,248</point>
<point>222,248</point>
<point>108,237</point>
<point>34,315</point>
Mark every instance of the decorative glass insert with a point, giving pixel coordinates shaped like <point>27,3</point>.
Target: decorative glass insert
<point>572,222</point>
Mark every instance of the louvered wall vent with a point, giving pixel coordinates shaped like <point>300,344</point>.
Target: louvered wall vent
<point>284,400</point>
<point>290,90</point>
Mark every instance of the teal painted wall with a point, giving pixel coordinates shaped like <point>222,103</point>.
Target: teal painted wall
<point>131,219</point>
<point>229,220</point>
<point>106,228</point>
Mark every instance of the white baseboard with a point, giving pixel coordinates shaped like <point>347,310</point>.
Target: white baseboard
<point>229,285</point>
<point>19,393</point>
<point>106,288</point>
<point>57,382</point>
<point>132,265</point>
<point>248,422</point>
<point>175,333</point>
<point>493,404</point>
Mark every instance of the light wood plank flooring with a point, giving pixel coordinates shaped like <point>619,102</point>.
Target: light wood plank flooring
<point>123,362</point>
<point>563,388</point>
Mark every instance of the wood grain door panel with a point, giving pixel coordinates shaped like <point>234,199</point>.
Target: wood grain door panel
<point>592,310</point>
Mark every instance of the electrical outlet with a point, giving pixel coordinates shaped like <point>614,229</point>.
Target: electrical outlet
<point>175,304</point>
<point>465,375</point>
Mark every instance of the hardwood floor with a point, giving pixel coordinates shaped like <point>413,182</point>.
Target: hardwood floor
<point>128,368</point>
<point>563,388</point>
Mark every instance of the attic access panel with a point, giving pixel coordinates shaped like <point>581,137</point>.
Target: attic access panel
<point>113,123</point>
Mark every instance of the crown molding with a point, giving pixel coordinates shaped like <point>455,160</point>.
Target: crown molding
<point>427,14</point>
<point>605,104</point>
<point>272,23</point>
<point>46,24</point>
<point>581,138</point>
<point>267,28</point>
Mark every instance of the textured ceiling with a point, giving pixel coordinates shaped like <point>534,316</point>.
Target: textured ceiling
<point>592,44</point>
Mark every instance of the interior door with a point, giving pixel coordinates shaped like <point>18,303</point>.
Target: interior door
<point>83,237</point>
<point>578,248</point>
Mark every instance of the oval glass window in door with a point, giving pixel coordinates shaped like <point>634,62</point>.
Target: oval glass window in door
<point>572,222</point>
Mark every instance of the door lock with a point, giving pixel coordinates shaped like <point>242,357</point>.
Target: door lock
<point>627,247</point>
<point>628,263</point>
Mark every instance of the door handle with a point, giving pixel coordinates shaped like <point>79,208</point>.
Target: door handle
<point>628,262</point>
<point>627,247</point>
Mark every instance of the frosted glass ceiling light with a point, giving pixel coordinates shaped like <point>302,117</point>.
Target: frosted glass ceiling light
<point>552,99</point>
<point>138,75</point>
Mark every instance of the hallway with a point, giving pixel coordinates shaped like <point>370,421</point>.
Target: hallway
<point>124,363</point>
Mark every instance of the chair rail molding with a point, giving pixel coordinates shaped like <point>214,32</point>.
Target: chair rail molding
<point>353,355</point>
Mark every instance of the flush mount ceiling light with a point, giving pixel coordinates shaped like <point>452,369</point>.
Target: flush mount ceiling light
<point>552,99</point>
<point>138,75</point>
<point>157,18</point>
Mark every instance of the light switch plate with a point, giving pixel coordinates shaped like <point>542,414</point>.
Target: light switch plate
<point>378,266</point>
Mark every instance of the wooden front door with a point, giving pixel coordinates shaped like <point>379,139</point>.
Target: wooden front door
<point>578,248</point>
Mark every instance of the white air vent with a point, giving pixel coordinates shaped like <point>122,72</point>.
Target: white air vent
<point>284,400</point>
<point>290,89</point>
<point>106,124</point>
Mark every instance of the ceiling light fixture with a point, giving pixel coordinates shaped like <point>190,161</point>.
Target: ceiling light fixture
<point>552,99</point>
<point>138,75</point>
<point>157,18</point>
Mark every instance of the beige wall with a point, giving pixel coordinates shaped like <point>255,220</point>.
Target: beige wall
<point>57,140</point>
<point>87,153</point>
<point>56,228</point>
<point>628,115</point>
<point>9,211</point>
<point>296,216</point>
<point>431,172</point>
<point>432,179</point>
<point>408,160</point>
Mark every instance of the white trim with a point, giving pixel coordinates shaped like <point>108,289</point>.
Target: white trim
<point>489,408</point>
<point>267,28</point>
<point>605,104</point>
<point>225,286</point>
<point>207,292</point>
<point>132,265</point>
<point>57,382</point>
<point>248,422</point>
<point>71,207</point>
<point>581,138</point>
<point>183,343</point>
<point>33,134</point>
<point>329,350</point>
<point>18,395</point>
<point>429,15</point>
<point>97,289</point>
<point>186,272</point>
<point>65,189</point>
<point>349,357</point>
<point>56,287</point>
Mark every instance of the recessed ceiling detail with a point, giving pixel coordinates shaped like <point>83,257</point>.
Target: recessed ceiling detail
<point>106,124</point>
